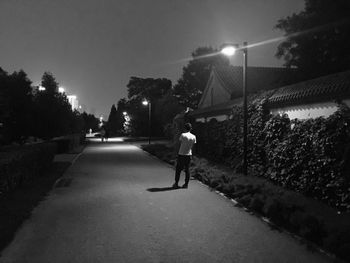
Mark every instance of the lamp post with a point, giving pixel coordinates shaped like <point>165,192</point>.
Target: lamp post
<point>229,50</point>
<point>145,103</point>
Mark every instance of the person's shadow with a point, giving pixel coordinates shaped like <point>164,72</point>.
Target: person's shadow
<point>162,189</point>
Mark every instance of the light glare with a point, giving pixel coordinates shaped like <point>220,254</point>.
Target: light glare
<point>228,51</point>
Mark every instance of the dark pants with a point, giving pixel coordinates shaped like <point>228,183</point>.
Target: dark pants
<point>183,163</point>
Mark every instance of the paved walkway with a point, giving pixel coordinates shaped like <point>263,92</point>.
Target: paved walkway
<point>114,205</point>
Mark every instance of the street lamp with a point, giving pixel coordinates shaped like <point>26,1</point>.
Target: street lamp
<point>145,103</point>
<point>61,90</point>
<point>229,50</point>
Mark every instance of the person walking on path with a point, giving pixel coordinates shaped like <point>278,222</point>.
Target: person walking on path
<point>106,134</point>
<point>187,140</point>
<point>103,133</point>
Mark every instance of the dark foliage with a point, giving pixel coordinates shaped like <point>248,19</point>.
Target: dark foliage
<point>318,40</point>
<point>115,121</point>
<point>90,122</point>
<point>25,111</point>
<point>23,164</point>
<point>308,156</point>
<point>190,86</point>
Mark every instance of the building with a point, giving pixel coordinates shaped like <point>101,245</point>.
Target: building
<point>225,85</point>
<point>302,100</point>
<point>73,101</point>
<point>313,98</point>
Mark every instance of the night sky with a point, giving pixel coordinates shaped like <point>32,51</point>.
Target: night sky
<point>93,47</point>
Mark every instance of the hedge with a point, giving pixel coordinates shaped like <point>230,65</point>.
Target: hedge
<point>69,142</point>
<point>307,156</point>
<point>22,164</point>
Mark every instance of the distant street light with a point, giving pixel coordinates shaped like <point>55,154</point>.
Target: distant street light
<point>145,103</point>
<point>229,50</point>
<point>41,88</point>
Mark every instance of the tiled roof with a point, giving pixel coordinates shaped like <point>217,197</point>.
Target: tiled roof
<point>222,108</point>
<point>324,88</point>
<point>258,78</point>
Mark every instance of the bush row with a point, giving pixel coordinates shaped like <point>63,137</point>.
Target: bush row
<point>324,228</point>
<point>20,165</point>
<point>67,143</point>
<point>309,156</point>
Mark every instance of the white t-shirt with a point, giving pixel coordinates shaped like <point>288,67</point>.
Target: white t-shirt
<point>187,140</point>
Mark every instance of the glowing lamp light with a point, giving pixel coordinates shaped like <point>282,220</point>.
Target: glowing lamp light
<point>41,88</point>
<point>125,113</point>
<point>229,50</point>
<point>145,102</point>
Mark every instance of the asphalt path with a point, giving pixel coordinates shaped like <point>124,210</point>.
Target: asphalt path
<point>114,204</point>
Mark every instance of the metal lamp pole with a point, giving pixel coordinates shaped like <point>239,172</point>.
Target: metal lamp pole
<point>245,110</point>
<point>149,121</point>
<point>148,103</point>
<point>229,50</point>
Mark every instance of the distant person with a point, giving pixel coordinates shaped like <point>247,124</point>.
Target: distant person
<point>90,131</point>
<point>103,133</point>
<point>106,134</point>
<point>187,140</point>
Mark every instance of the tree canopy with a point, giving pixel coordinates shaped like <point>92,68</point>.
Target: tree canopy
<point>49,82</point>
<point>27,111</point>
<point>318,41</point>
<point>115,121</point>
<point>158,92</point>
<point>191,85</point>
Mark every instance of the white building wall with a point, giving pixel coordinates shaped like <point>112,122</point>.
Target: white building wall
<point>307,111</point>
<point>72,99</point>
<point>217,117</point>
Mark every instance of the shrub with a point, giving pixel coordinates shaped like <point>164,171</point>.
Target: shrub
<point>257,203</point>
<point>309,156</point>
<point>272,209</point>
<point>312,229</point>
<point>24,163</point>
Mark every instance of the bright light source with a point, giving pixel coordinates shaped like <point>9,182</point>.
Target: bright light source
<point>125,113</point>
<point>228,50</point>
<point>61,90</point>
<point>41,88</point>
<point>79,106</point>
<point>145,102</point>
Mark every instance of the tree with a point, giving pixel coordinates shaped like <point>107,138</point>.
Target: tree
<point>49,82</point>
<point>90,122</point>
<point>190,86</point>
<point>115,121</point>
<point>54,116</point>
<point>318,40</point>
<point>152,90</point>
<point>17,105</point>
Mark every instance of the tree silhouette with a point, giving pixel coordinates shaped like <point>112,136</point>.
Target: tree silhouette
<point>49,82</point>
<point>54,116</point>
<point>190,86</point>
<point>17,105</point>
<point>115,121</point>
<point>319,39</point>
